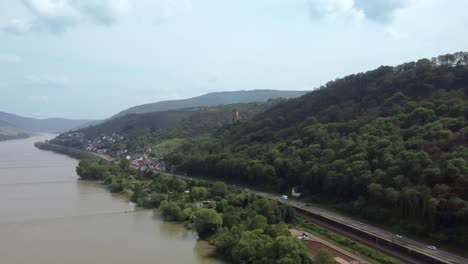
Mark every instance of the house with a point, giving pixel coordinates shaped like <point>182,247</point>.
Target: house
<point>147,149</point>
<point>141,163</point>
<point>295,194</point>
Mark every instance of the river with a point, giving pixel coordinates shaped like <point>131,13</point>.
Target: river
<point>48,216</point>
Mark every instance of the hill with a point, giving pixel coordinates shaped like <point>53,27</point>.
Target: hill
<point>389,145</point>
<point>212,99</point>
<point>7,132</point>
<point>147,129</point>
<point>50,125</point>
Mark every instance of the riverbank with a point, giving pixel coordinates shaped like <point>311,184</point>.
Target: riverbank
<point>126,190</point>
<point>49,216</point>
<point>72,152</point>
<point>242,226</point>
<point>5,137</point>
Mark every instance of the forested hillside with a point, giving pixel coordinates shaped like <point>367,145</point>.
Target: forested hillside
<point>140,130</point>
<point>389,145</point>
<point>8,132</point>
<point>190,121</point>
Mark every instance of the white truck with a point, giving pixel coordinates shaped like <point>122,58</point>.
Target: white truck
<point>284,197</point>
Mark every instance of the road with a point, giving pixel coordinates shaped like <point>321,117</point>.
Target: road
<point>408,243</point>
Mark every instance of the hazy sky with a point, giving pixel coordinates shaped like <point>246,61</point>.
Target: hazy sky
<point>92,58</point>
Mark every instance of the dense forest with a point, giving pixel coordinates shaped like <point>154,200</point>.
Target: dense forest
<point>389,145</point>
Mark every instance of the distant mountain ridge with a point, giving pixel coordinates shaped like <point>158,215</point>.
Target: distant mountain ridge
<point>49,125</point>
<point>212,99</point>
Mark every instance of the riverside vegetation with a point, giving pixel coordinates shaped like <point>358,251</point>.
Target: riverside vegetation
<point>243,227</point>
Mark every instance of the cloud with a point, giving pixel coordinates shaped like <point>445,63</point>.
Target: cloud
<point>47,80</point>
<point>105,12</point>
<point>334,9</point>
<point>57,16</point>
<point>381,11</point>
<point>16,26</point>
<point>9,58</point>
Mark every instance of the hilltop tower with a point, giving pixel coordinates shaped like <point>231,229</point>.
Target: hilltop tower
<point>235,115</point>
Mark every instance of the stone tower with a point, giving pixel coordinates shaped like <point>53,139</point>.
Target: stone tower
<point>235,115</point>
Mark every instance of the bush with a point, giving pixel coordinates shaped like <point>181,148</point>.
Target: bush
<point>171,211</point>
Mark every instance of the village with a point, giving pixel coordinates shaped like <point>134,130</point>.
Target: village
<point>143,158</point>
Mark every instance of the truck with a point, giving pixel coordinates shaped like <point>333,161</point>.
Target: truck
<point>284,197</point>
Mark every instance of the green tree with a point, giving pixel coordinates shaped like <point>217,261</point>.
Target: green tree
<point>287,249</point>
<point>199,193</point>
<point>257,222</point>
<point>207,221</point>
<point>171,211</point>
<point>124,164</point>
<point>219,189</point>
<point>251,248</point>
<point>154,200</point>
<point>324,257</point>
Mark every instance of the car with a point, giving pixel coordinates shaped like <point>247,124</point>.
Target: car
<point>431,247</point>
<point>308,205</point>
<point>360,223</point>
<point>399,236</point>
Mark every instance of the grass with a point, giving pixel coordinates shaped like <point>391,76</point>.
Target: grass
<point>166,147</point>
<point>358,249</point>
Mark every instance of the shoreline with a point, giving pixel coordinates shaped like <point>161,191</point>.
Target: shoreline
<point>128,194</point>
<point>272,197</point>
<point>8,137</point>
<point>79,154</point>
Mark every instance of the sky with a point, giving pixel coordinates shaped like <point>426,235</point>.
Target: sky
<point>89,59</point>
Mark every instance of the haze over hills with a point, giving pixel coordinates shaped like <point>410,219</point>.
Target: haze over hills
<point>49,125</point>
<point>56,125</point>
<point>211,99</point>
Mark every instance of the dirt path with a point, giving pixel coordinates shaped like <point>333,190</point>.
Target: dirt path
<point>314,244</point>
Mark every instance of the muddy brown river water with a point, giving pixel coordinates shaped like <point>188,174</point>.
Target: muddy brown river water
<point>48,216</point>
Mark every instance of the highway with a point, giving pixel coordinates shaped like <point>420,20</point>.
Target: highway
<point>406,242</point>
<point>383,234</point>
<point>409,243</point>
